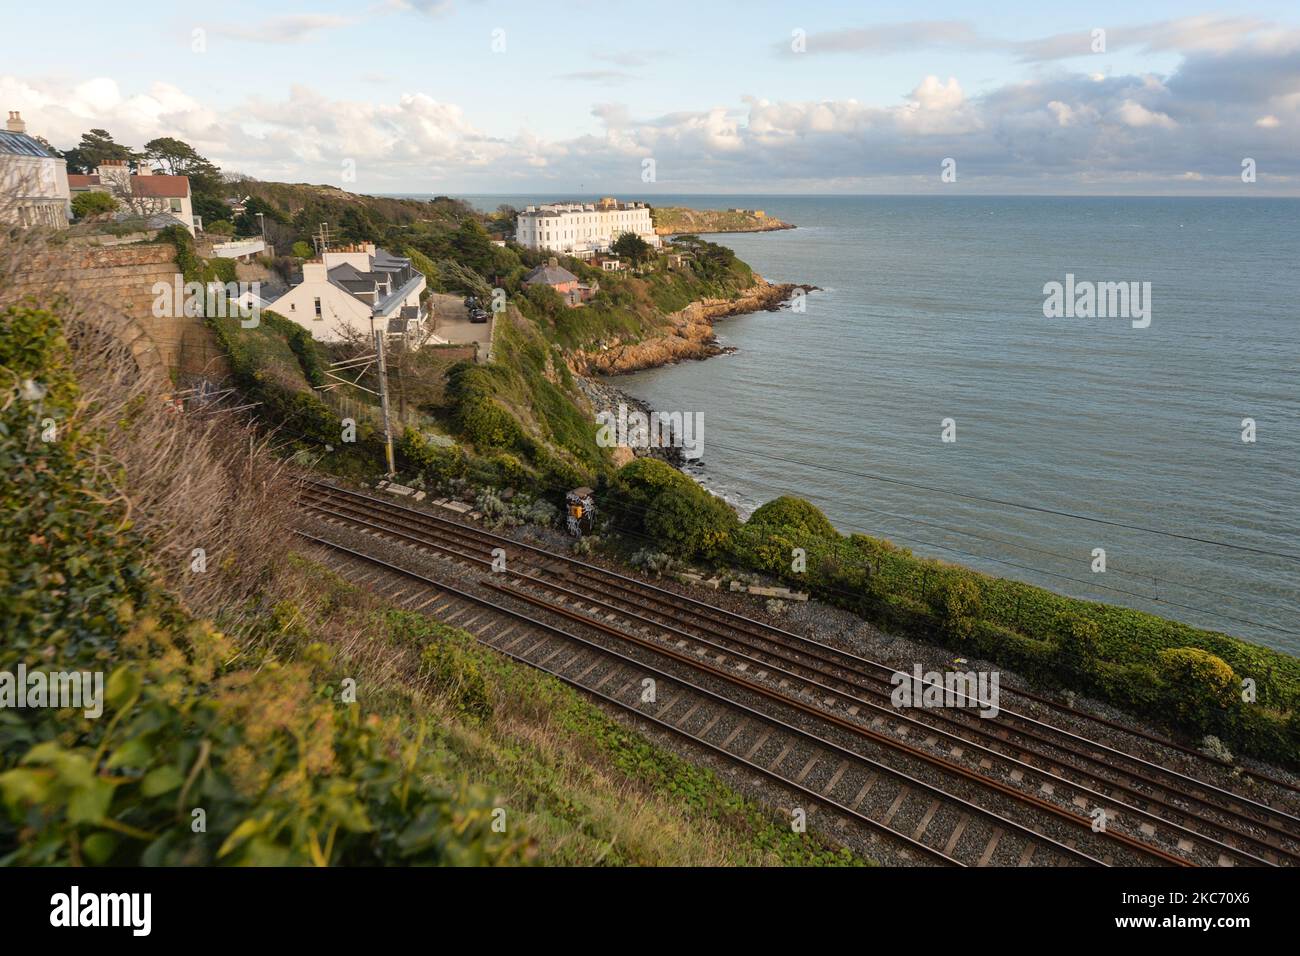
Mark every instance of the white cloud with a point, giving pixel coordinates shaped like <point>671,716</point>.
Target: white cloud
<point>1056,130</point>
<point>1135,114</point>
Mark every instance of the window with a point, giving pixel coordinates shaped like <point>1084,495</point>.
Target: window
<point>319,317</point>
<point>176,205</point>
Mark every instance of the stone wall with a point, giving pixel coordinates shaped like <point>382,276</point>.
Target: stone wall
<point>122,278</point>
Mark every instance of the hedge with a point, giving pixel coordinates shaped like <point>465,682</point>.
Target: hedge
<point>1158,668</point>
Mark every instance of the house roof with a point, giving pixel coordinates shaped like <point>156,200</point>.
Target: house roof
<point>549,274</point>
<point>154,187</point>
<point>161,187</point>
<point>20,144</point>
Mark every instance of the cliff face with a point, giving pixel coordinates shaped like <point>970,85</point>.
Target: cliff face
<point>689,335</point>
<point>670,220</point>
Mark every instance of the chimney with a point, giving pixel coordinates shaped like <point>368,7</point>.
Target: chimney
<point>15,123</point>
<point>144,170</point>
<point>114,171</point>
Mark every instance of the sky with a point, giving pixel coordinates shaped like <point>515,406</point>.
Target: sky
<point>709,96</point>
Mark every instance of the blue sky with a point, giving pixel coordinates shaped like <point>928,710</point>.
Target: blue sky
<point>412,95</point>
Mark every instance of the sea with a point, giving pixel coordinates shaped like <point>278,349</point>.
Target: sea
<point>930,393</point>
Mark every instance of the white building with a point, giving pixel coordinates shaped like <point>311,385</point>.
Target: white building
<point>143,193</point>
<point>33,181</point>
<point>353,291</point>
<point>583,229</point>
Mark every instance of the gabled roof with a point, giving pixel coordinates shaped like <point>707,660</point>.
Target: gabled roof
<point>20,144</point>
<point>549,274</point>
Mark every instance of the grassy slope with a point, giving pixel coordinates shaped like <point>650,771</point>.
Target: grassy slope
<point>247,719</point>
<point>583,787</point>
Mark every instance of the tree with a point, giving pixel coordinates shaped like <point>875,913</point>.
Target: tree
<point>96,146</point>
<point>355,225</point>
<point>303,250</point>
<point>210,209</point>
<point>247,222</point>
<point>632,246</point>
<point>473,247</point>
<point>178,158</point>
<point>48,147</point>
<point>93,203</point>
<point>222,227</point>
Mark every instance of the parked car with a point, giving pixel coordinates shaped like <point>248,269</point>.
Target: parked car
<point>478,315</point>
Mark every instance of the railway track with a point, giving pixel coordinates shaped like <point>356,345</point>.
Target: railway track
<point>1029,769</point>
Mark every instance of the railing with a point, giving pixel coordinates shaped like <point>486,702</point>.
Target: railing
<point>237,248</point>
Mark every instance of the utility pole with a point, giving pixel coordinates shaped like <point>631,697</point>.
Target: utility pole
<point>350,372</point>
<point>321,240</point>
<point>383,402</point>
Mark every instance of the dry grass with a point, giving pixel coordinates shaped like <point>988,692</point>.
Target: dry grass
<point>185,481</point>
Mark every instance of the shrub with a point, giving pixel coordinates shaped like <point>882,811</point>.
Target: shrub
<point>693,525</point>
<point>1077,641</point>
<point>284,773</point>
<point>92,203</point>
<point>793,517</point>
<point>542,513</point>
<point>451,664</point>
<point>638,484</point>
<point>437,464</point>
<point>302,250</point>
<point>510,469</point>
<point>955,601</point>
<point>1197,686</point>
<point>222,227</point>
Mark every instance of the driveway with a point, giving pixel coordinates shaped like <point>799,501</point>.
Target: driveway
<point>451,322</point>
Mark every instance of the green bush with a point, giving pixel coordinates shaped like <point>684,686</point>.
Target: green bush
<point>1077,641</point>
<point>437,463</point>
<point>1199,687</point>
<point>452,666</point>
<point>793,518</point>
<point>93,203</point>
<point>638,483</point>
<point>693,524</point>
<point>955,601</point>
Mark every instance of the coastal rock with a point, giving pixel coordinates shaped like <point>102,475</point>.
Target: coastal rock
<point>689,335</point>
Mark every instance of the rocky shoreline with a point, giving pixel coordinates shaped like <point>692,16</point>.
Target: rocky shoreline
<point>691,337</point>
<point>690,333</point>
